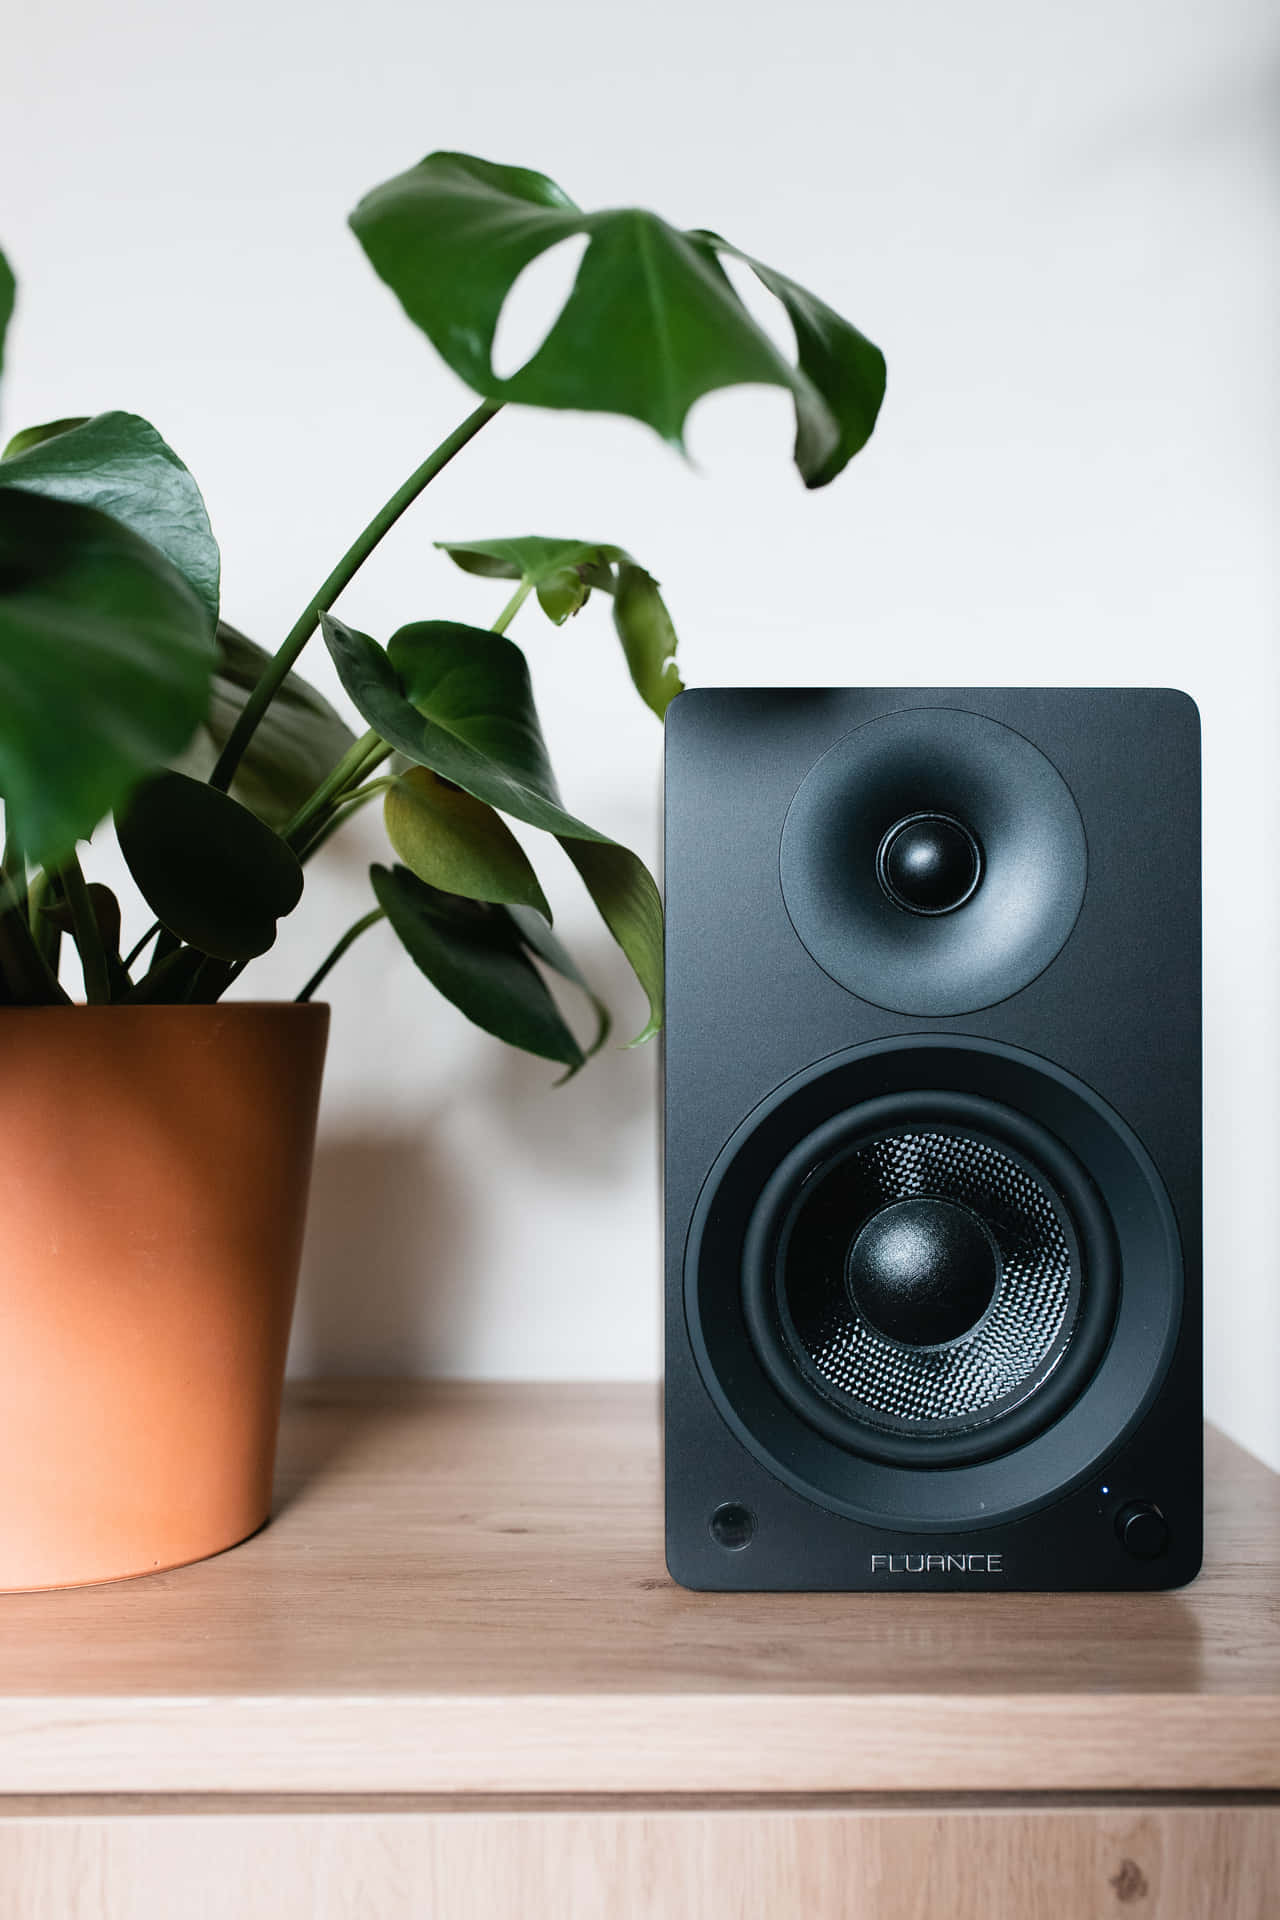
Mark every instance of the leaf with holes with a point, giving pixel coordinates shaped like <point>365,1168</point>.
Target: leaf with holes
<point>119,464</point>
<point>651,324</point>
<point>474,956</point>
<point>457,700</point>
<point>105,659</point>
<point>843,370</point>
<point>212,873</point>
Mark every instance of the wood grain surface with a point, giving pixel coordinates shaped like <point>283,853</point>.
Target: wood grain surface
<point>463,1591</point>
<point>771,1863</point>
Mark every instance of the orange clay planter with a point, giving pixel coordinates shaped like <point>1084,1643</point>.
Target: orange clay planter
<point>154,1166</point>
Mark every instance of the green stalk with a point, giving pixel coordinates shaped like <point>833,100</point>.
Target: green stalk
<point>25,971</point>
<point>331,959</point>
<point>374,758</point>
<point>13,867</point>
<point>345,571</point>
<point>45,934</point>
<point>513,606</point>
<point>364,754</point>
<point>138,945</point>
<point>343,809</point>
<point>88,935</point>
<point>359,761</point>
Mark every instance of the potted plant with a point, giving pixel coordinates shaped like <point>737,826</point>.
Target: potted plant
<point>155,1141</point>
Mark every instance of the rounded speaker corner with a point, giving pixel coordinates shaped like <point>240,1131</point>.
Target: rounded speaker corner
<point>1184,705</point>
<point>685,1570</point>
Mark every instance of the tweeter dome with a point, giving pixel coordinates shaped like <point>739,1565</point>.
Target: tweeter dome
<point>932,1138</point>
<point>999,846</point>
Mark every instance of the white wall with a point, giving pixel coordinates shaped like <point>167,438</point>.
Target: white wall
<point>1058,221</point>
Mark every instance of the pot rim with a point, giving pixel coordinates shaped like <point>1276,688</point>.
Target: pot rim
<point>203,1009</point>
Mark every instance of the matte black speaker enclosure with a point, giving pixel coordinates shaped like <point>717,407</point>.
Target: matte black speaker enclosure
<point>1083,1056</point>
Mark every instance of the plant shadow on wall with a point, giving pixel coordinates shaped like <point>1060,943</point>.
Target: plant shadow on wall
<point>385,1207</point>
<point>123,693</point>
<point>397,1207</point>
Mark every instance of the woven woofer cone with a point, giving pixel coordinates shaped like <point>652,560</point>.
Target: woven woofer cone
<point>951,1385</point>
<point>1036,1248</point>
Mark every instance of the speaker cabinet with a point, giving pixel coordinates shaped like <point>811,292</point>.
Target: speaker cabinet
<point>932,1091</point>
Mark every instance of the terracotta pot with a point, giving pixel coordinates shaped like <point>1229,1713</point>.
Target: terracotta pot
<point>154,1166</point>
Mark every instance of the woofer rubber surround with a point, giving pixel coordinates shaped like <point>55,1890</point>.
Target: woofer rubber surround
<point>1026,1455</point>
<point>1002,791</point>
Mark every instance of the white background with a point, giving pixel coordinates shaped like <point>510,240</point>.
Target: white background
<point>1059,223</point>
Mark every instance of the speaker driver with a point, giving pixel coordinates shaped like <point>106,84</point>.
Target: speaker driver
<point>978,1354</point>
<point>928,1280</point>
<point>933,861</point>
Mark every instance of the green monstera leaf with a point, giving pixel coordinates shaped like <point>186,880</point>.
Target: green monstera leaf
<point>476,957</point>
<point>119,464</point>
<point>457,700</point>
<point>213,874</point>
<point>34,436</point>
<point>648,638</point>
<point>544,946</point>
<point>563,572</point>
<point>652,323</point>
<point>458,844</point>
<point>105,660</point>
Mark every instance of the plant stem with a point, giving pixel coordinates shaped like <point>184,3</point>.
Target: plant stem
<point>13,866</point>
<point>138,945</point>
<point>364,753</point>
<point>513,606</point>
<point>23,968</point>
<point>345,571</point>
<point>343,809</point>
<point>88,935</point>
<point>374,758</point>
<point>331,960</point>
<point>45,934</point>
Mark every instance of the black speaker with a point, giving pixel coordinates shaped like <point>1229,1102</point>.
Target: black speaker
<point>932,1098</point>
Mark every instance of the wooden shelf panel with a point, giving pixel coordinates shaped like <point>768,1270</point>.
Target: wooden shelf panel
<point>667,1864</point>
<point>464,1592</point>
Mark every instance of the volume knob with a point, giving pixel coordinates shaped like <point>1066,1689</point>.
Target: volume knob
<point>1143,1530</point>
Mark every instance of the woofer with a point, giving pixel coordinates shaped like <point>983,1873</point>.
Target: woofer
<point>1057,1365</point>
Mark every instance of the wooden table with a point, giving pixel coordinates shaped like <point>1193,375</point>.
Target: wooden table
<point>452,1678</point>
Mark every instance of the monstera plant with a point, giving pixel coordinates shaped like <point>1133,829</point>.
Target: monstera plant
<point>156,1141</point>
<point>123,693</point>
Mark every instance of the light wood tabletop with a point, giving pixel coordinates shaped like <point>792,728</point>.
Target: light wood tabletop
<point>463,1592</point>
